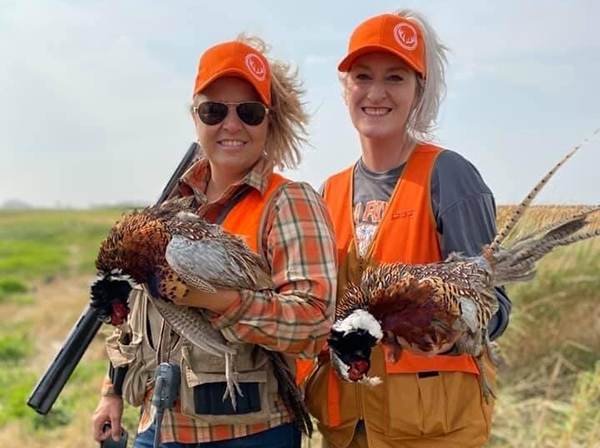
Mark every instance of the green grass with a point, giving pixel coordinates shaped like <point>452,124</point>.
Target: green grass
<point>549,392</point>
<point>10,286</point>
<point>16,387</point>
<point>549,386</point>
<point>14,347</point>
<point>46,243</point>
<point>38,246</point>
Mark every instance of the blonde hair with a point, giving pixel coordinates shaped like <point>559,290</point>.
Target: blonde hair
<point>288,117</point>
<point>431,90</point>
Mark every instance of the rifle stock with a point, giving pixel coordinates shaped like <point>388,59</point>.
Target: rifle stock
<point>83,332</point>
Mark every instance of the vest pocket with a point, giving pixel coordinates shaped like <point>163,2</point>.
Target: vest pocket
<point>208,399</point>
<point>403,407</point>
<point>436,403</point>
<point>201,393</point>
<point>130,354</point>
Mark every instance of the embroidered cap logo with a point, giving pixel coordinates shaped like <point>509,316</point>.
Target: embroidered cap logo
<point>256,66</point>
<point>406,36</point>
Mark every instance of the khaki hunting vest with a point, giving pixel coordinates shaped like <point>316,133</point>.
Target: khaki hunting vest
<point>245,219</point>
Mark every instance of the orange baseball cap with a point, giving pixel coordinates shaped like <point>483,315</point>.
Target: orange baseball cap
<point>390,33</point>
<point>237,59</point>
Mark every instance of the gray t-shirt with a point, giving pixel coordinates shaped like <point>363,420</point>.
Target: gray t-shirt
<point>463,206</point>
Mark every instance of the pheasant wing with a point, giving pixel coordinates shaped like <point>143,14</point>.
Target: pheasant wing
<point>206,257</point>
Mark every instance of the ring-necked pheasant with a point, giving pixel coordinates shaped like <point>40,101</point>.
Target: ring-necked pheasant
<point>167,248</point>
<point>452,301</point>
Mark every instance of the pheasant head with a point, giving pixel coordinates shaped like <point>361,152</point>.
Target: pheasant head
<point>351,341</point>
<point>129,255</point>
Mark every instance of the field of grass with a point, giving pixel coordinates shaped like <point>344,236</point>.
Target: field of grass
<point>549,382</point>
<point>46,265</point>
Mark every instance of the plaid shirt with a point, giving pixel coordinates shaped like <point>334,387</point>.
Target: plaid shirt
<point>295,317</point>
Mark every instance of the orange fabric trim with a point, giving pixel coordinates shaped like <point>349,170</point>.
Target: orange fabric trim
<point>333,399</point>
<point>343,230</point>
<point>245,217</point>
<point>409,363</point>
<point>303,368</point>
<point>244,220</point>
<point>407,220</point>
<point>339,186</point>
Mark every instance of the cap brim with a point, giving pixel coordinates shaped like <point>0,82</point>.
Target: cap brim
<point>351,57</point>
<point>237,73</point>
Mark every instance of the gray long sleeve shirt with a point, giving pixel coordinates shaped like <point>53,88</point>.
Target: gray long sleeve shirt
<point>463,206</point>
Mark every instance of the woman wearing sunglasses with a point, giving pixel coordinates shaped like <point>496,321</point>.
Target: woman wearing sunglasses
<point>406,200</point>
<point>249,119</point>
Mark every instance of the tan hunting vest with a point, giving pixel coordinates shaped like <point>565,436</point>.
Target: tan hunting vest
<point>246,219</point>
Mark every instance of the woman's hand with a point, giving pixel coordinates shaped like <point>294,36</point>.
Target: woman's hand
<point>436,350</point>
<point>217,302</point>
<point>109,410</point>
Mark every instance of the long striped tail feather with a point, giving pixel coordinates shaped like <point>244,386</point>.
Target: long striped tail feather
<point>522,207</point>
<point>517,262</point>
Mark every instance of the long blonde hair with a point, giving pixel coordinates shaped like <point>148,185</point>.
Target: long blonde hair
<point>422,119</point>
<point>288,117</point>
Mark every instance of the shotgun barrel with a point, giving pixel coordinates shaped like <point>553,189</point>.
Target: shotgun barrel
<point>83,332</point>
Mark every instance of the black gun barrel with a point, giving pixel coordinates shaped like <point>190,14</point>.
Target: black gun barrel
<point>45,393</point>
<point>185,163</point>
<point>51,384</point>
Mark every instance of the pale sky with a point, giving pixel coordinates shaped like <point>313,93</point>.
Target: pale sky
<point>94,95</point>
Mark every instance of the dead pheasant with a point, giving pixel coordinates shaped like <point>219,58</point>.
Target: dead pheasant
<point>452,301</point>
<point>168,249</point>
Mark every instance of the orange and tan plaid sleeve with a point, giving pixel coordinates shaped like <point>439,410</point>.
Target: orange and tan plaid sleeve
<point>296,316</point>
<point>107,388</point>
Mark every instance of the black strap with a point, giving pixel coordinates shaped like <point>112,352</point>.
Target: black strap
<point>235,200</point>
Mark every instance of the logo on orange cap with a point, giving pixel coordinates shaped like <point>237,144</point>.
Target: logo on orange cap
<point>390,33</point>
<point>406,36</point>
<point>236,59</point>
<point>256,66</point>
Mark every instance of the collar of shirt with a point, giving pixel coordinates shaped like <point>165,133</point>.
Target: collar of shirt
<point>195,180</point>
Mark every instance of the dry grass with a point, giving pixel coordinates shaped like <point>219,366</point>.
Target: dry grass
<point>549,383</point>
<point>550,380</point>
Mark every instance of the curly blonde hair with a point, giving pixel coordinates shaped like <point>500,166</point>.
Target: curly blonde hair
<point>288,118</point>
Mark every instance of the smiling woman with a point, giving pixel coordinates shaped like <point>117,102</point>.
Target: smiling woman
<point>406,200</point>
<point>231,130</point>
<point>249,118</point>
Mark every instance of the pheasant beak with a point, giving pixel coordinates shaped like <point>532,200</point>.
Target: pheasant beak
<point>119,313</point>
<point>358,369</point>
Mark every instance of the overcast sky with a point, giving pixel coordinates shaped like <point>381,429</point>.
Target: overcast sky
<point>94,95</point>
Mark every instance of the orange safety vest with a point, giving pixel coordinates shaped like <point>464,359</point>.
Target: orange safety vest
<point>407,233</point>
<point>245,218</point>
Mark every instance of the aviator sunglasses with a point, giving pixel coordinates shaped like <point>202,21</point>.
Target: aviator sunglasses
<point>251,113</point>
